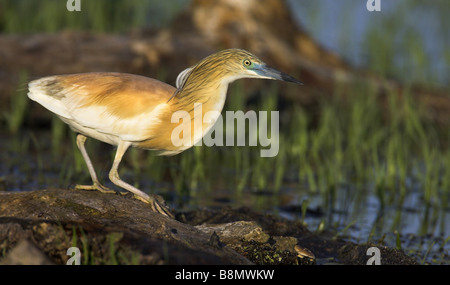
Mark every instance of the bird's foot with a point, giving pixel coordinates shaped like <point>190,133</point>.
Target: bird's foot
<point>157,204</point>
<point>97,187</point>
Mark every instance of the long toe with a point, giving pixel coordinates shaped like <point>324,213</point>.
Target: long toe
<point>96,186</point>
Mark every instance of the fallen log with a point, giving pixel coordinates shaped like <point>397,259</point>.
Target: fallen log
<point>115,229</point>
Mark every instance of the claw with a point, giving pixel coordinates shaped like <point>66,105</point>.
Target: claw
<point>157,204</point>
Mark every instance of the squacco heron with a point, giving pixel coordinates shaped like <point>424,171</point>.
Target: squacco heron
<point>129,110</point>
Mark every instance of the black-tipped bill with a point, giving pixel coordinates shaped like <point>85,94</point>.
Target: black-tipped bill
<point>271,73</point>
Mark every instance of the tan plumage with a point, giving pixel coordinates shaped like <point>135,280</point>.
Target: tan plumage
<point>132,110</point>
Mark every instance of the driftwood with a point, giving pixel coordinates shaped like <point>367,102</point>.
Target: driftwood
<point>265,28</point>
<point>39,227</point>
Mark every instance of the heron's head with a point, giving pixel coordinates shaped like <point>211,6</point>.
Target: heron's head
<point>229,65</point>
<point>225,67</point>
<point>246,65</point>
<point>232,64</point>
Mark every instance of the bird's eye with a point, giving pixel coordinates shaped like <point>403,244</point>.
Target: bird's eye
<point>247,63</point>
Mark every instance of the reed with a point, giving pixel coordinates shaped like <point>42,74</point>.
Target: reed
<point>356,149</point>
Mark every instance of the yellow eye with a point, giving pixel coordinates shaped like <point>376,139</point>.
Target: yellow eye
<point>247,63</point>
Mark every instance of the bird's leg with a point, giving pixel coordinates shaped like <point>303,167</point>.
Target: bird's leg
<point>156,202</point>
<point>81,139</point>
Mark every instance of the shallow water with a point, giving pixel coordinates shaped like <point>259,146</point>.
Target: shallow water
<point>351,213</point>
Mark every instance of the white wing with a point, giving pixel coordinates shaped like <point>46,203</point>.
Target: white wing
<point>182,77</point>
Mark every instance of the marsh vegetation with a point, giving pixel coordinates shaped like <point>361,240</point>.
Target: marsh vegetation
<point>352,167</point>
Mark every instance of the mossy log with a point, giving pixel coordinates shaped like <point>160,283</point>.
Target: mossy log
<point>115,229</point>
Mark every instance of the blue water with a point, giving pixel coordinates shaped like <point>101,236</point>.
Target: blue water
<point>416,31</point>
